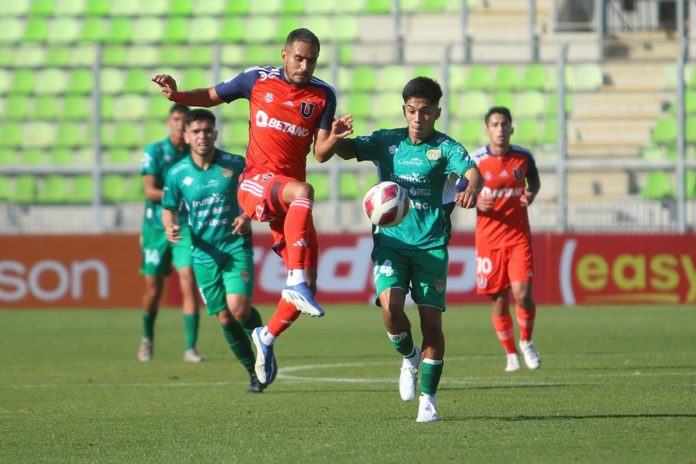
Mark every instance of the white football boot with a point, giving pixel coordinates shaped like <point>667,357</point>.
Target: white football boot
<point>530,353</point>
<point>193,356</point>
<point>427,409</point>
<point>145,350</point>
<point>408,379</point>
<point>513,363</point>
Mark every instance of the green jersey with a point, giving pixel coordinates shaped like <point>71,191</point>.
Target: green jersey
<point>210,196</point>
<point>157,159</point>
<point>429,172</point>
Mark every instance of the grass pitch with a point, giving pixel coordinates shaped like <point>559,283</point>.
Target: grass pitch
<point>616,385</point>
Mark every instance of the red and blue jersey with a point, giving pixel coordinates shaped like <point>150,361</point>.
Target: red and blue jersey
<point>283,118</point>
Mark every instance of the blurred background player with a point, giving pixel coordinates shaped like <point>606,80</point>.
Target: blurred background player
<point>413,255</point>
<point>289,110</point>
<point>223,260</point>
<point>158,255</point>
<point>504,257</point>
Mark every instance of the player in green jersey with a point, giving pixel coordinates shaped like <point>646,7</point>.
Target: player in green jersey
<point>412,256</point>
<point>158,255</point>
<point>223,261</point>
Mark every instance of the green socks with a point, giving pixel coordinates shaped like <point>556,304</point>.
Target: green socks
<point>431,371</point>
<point>149,325</point>
<point>191,322</point>
<point>240,343</point>
<point>403,343</point>
<point>253,322</point>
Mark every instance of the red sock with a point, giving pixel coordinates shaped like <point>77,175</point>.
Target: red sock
<point>282,318</point>
<point>503,327</point>
<point>298,221</point>
<point>525,319</point>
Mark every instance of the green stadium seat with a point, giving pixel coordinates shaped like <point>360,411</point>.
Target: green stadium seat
<point>16,8</point>
<point>292,7</point>
<point>35,30</point>
<point>114,188</point>
<point>51,81</point>
<point>195,78</point>
<point>361,127</point>
<point>137,80</point>
<point>201,55</point>
<point>63,30</point>
<point>652,153</point>
<point>148,30</point>
<point>6,56</point>
<point>38,134</point>
<point>176,31</point>
<point>120,31</point>
<point>107,107</point>
<point>130,107</point>
<point>457,77</point>
<point>264,7</point>
<point>5,188</point>
<point>97,8</point>
<point>260,29</point>
<point>127,135</point>
<point>94,30</point>
<point>506,78</point>
<point>10,31</point>
<point>125,8</point>
<point>260,55</point>
<point>82,189</point>
<point>391,78</point>
<point>689,103</point>
<point>478,78</point>
<point>70,135</point>
<point>80,81</point>
<point>41,8</point>
<point>25,189</point>
<point>287,24</point>
<point>690,130</point>
<point>10,134</point>
<point>549,136</point>
<point>154,130</point>
<point>364,79</point>
<point>349,186</point>
<point>58,56</point>
<point>181,7</point>
<point>232,30</point>
<point>658,186</point>
<point>8,157</point>
<point>236,133</point>
<point>47,107</point>
<point>551,107</point>
<point>390,122</point>
<point>425,70</point>
<point>21,108</point>
<point>346,28</point>
<point>320,182</point>
<point>237,7</point>
<point>534,77</point>
<point>23,81</point>
<point>346,53</point>
<point>140,56</point>
<point>158,107</point>
<point>321,26</point>
<point>387,105</point>
<point>321,7</point>
<point>69,7</point>
<point>527,132</point>
<point>112,81</point>
<point>377,6</point>
<point>154,8</point>
<point>529,104</point>
<point>211,7</point>
<point>665,131</point>
<point>119,156</point>
<point>437,6</point>
<point>469,133</point>
<point>506,99</point>
<point>136,190</point>
<point>53,190</point>
<point>33,157</point>
<point>204,29</point>
<point>62,157</point>
<point>31,55</point>
<point>5,81</point>
<point>359,105</point>
<point>470,105</point>
<point>586,77</point>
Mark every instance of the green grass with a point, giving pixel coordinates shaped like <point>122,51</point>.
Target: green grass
<point>616,385</point>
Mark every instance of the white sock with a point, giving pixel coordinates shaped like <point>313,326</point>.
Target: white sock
<point>295,277</point>
<point>267,337</point>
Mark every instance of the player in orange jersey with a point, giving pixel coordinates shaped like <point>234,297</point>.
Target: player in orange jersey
<point>504,260</point>
<point>289,111</point>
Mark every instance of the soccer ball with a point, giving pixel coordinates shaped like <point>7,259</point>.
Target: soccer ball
<point>386,204</point>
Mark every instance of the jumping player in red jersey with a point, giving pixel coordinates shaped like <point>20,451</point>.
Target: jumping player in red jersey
<point>289,110</point>
<point>504,259</point>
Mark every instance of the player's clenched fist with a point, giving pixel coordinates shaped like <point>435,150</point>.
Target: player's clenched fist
<point>173,233</point>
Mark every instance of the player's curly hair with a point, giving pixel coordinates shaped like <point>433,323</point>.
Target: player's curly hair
<point>422,87</point>
<point>303,35</point>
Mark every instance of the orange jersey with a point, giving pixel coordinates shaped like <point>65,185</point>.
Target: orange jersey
<point>505,179</point>
<point>283,118</point>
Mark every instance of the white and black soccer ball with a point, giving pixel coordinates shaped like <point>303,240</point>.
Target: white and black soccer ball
<point>386,204</point>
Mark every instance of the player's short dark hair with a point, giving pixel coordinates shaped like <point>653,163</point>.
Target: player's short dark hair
<point>199,114</point>
<point>422,87</point>
<point>303,35</point>
<point>180,108</point>
<point>504,110</point>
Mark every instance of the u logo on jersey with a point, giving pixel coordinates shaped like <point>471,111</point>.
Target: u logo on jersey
<point>306,109</point>
<point>518,173</point>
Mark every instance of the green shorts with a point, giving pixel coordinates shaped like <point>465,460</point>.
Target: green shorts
<point>216,281</point>
<point>422,272</point>
<point>158,254</point>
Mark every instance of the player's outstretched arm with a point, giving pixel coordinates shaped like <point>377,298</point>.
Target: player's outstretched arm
<point>326,141</point>
<point>170,221</point>
<point>197,97</point>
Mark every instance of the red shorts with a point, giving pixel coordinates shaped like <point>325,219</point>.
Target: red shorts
<point>497,268</point>
<point>261,198</point>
